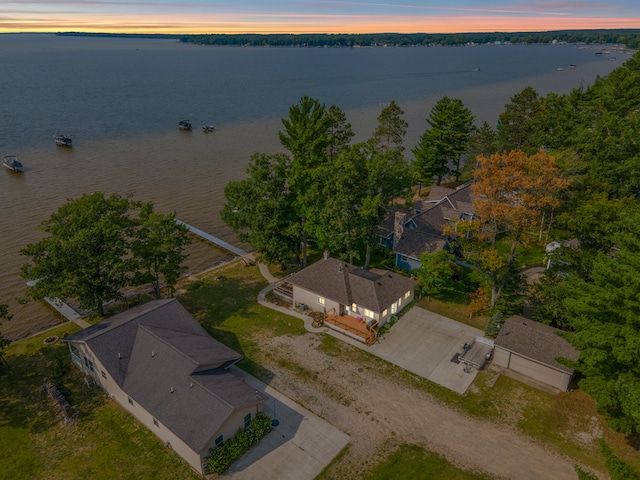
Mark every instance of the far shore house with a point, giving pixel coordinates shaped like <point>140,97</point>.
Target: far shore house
<point>161,366</point>
<point>532,349</point>
<point>353,300</point>
<point>411,233</point>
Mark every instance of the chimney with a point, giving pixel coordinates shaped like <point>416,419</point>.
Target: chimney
<point>398,226</point>
<point>325,254</point>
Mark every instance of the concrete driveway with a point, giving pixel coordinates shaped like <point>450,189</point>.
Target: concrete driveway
<point>424,343</point>
<point>298,448</point>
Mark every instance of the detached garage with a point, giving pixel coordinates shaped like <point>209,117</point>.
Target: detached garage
<point>531,348</point>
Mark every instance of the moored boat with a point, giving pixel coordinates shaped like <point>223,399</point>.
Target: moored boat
<point>11,163</point>
<point>63,140</point>
<point>184,125</point>
<point>208,128</point>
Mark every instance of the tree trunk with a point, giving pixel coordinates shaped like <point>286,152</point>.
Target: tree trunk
<point>496,290</point>
<point>304,249</point>
<point>367,257</point>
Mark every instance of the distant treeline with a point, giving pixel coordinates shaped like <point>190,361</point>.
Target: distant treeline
<point>628,37</point>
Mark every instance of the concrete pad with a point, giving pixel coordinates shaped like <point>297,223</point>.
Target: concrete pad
<point>424,343</point>
<point>298,448</point>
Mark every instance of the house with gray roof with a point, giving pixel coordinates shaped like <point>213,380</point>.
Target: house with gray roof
<point>532,349</point>
<point>161,366</point>
<point>340,289</point>
<point>412,233</point>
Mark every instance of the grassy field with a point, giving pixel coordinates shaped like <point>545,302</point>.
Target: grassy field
<point>410,462</point>
<point>103,443</point>
<point>35,444</point>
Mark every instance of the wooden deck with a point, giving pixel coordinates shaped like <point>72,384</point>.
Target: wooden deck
<point>353,326</point>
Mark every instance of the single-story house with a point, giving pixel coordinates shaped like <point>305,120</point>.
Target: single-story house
<point>532,349</point>
<point>337,288</point>
<point>161,366</point>
<point>412,233</point>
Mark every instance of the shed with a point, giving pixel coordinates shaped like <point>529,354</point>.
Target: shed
<point>532,349</point>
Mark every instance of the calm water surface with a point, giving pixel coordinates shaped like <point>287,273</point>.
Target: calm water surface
<point>120,99</point>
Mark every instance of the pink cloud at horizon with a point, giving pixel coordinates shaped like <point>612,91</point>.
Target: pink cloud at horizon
<point>327,16</point>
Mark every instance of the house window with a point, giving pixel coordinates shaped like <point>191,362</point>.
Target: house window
<point>354,307</point>
<point>104,375</point>
<point>404,258</point>
<point>88,363</point>
<point>368,313</point>
<point>220,441</point>
<point>155,422</point>
<point>384,313</point>
<point>321,300</point>
<point>408,294</point>
<point>130,400</point>
<point>382,241</point>
<point>394,308</point>
<point>247,421</point>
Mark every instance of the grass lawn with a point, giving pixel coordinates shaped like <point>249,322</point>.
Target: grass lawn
<point>104,443</point>
<point>409,462</point>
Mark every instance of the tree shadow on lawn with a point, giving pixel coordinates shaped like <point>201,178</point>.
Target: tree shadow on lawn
<point>24,404</point>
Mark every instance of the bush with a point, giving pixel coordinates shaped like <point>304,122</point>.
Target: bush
<point>221,458</point>
<point>493,325</point>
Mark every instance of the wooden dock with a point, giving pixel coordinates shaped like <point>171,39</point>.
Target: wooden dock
<point>212,239</point>
<point>58,305</point>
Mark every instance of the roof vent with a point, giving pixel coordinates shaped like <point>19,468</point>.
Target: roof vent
<point>325,254</point>
<point>379,283</point>
<point>153,354</point>
<point>191,386</point>
<point>172,390</point>
<point>389,275</point>
<point>119,355</point>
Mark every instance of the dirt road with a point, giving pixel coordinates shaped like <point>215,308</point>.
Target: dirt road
<point>379,413</point>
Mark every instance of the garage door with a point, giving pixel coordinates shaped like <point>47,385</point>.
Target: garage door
<point>536,371</point>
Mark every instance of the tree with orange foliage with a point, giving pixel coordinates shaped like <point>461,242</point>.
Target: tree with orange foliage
<point>511,192</point>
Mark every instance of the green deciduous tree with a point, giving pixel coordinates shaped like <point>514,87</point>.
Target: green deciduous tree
<point>84,254</point>
<point>437,272</point>
<point>158,248</point>
<point>261,210</point>
<point>440,149</point>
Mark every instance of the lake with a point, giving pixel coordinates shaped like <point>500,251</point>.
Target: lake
<point>121,100</point>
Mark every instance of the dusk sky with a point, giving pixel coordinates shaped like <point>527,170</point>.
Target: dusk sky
<point>282,16</point>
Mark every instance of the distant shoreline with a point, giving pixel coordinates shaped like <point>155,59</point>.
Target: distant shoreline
<point>628,37</point>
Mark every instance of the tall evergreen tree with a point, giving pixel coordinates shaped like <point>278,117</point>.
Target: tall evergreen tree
<point>441,147</point>
<point>521,123</point>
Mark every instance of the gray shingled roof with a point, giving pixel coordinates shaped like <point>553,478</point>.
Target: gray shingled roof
<point>162,347</point>
<point>536,341</point>
<point>438,192</point>
<point>347,284</point>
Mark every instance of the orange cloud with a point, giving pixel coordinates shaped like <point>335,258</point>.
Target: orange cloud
<point>296,23</point>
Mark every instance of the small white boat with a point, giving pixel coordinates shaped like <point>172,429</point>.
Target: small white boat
<point>11,162</point>
<point>63,140</point>
<point>208,128</point>
<point>559,69</point>
<point>184,125</point>
<point>572,66</point>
